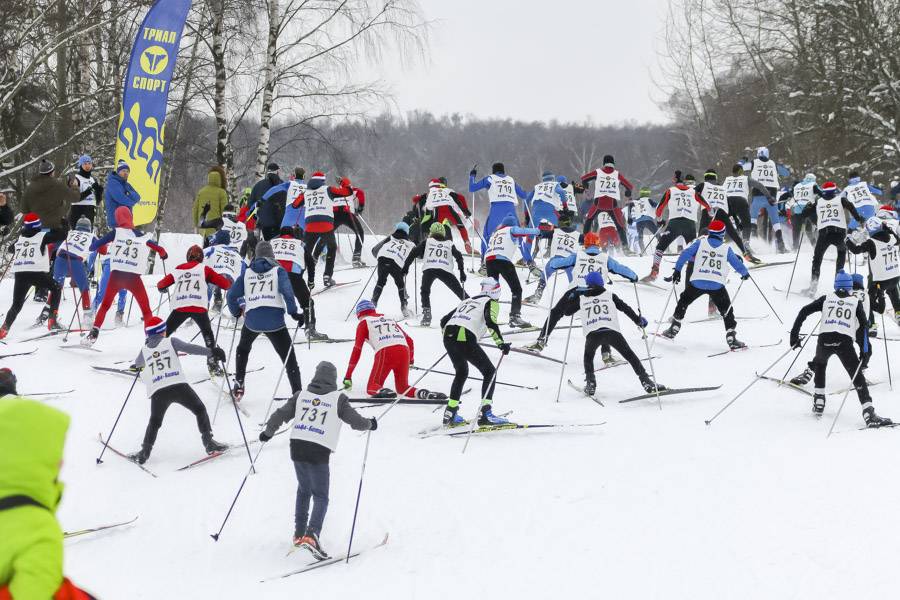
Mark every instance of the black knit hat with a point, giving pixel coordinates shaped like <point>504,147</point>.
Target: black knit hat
<point>609,160</point>
<point>273,167</point>
<point>498,167</point>
<point>46,167</point>
<point>7,382</point>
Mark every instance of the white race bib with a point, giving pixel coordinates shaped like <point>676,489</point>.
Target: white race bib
<point>711,264</point>
<point>830,213</point>
<point>588,263</point>
<point>563,243</point>
<point>237,231</point>
<point>396,250</point>
<point>839,315</point>
<point>437,197</point>
<point>470,314</point>
<point>190,287</point>
<point>607,184</point>
<point>438,255</point>
<point>78,243</point>
<point>765,172</point>
<point>288,249</point>
<point>682,204</point>
<point>715,196</point>
<point>383,332</point>
<point>161,367</point>
<point>128,253</point>
<point>28,258</point>
<point>886,264</point>
<point>316,419</point>
<point>501,244</point>
<point>261,290</point>
<point>503,189</point>
<point>859,195</point>
<point>737,186</point>
<point>318,203</point>
<point>598,312</point>
<point>225,261</point>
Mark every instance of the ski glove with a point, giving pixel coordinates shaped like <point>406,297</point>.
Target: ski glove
<point>462,277</point>
<point>676,276</point>
<point>796,341</point>
<point>504,347</point>
<point>264,437</point>
<point>218,354</point>
<point>642,322</point>
<point>473,172</point>
<point>205,210</point>
<point>745,277</point>
<point>359,209</point>
<point>163,254</point>
<point>348,383</point>
<point>297,317</point>
<point>373,424</point>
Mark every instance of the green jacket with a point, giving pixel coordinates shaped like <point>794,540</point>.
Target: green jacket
<point>32,436</point>
<point>50,198</point>
<point>213,193</point>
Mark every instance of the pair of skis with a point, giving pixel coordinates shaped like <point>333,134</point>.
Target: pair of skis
<point>318,564</point>
<point>80,532</point>
<point>666,392</point>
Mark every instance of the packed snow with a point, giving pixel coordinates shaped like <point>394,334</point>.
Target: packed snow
<point>653,504</point>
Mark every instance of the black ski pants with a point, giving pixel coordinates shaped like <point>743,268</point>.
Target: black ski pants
<point>706,219</point>
<point>719,297</point>
<point>739,209</point>
<point>606,338</point>
<point>316,243</point>
<point>504,268</point>
<point>462,352</point>
<point>177,317</point>
<point>25,281</point>
<point>877,291</point>
<point>387,267</point>
<point>161,400</point>
<point>281,341</point>
<point>679,226</point>
<point>829,236</point>
<point>840,345</point>
<point>301,292</point>
<point>348,219</point>
<point>801,222</point>
<point>428,278</point>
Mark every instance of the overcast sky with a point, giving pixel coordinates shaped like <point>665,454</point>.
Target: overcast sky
<point>556,59</point>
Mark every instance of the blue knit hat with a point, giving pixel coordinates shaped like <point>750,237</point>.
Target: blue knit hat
<point>509,221</point>
<point>594,279</point>
<point>843,281</point>
<point>859,281</point>
<point>31,221</point>
<point>155,326</point>
<point>83,159</point>
<point>401,226</point>
<point>221,237</point>
<point>122,165</point>
<point>364,306</point>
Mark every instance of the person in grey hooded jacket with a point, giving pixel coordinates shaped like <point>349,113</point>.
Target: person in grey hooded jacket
<point>317,414</point>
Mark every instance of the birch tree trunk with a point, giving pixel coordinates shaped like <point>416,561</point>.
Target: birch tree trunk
<point>268,96</point>
<point>217,9</point>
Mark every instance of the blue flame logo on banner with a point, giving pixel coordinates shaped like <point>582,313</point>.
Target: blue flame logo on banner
<point>139,139</point>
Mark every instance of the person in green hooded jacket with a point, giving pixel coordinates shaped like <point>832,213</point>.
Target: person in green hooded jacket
<point>32,436</point>
<point>210,200</point>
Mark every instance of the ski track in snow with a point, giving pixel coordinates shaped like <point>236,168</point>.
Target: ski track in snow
<point>652,505</point>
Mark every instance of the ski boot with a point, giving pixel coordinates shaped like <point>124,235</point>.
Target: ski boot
<point>779,243</point>
<point>426,317</point>
<point>217,305</point>
<point>214,367</point>
<point>813,287</point>
<point>89,315</point>
<point>4,331</point>
<point>654,273</point>
<point>488,417</point>
<point>140,457</point>
<point>750,257</point>
<point>873,420</point>
<point>327,281</point>
<point>590,387</point>
<point>672,330</point>
<point>482,270</point>
<point>538,292</point>
<point>538,345</point>
<point>385,393</point>
<point>423,394</point>
<point>534,270</point>
<point>357,261</point>
<point>41,295</point>
<point>650,386</point>
<point>451,415</point>
<point>120,319</point>
<point>873,329</point>
<point>607,357</point>
<point>311,284</point>
<point>53,322</point>
<point>896,315</point>
<point>516,320</point>
<point>733,342</point>
<point>313,335</point>
<point>211,445</point>
<point>89,340</point>
<point>42,318</point>
<point>803,378</point>
<point>819,405</point>
<point>407,311</point>
<point>310,541</point>
<point>238,390</point>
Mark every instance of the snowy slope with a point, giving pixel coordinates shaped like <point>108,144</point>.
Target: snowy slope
<point>652,505</point>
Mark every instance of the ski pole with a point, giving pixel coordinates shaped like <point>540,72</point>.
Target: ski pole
<point>237,414</point>
<point>662,316</point>
<point>887,358</point>
<point>168,295</point>
<point>69,328</point>
<point>363,221</point>
<point>216,535</point>
<point>756,378</point>
<point>224,379</point>
<point>74,297</point>
<point>647,344</point>
<point>284,363</point>
<point>504,383</point>
<point>844,399</point>
<point>358,494</point>
<point>552,294</point>
<point>475,419</point>
<point>802,347</point>
<point>731,304</point>
<point>562,367</point>
<point>119,416</point>
<point>794,268</point>
<point>766,299</point>
<point>656,237</point>
<point>361,292</point>
<point>415,293</point>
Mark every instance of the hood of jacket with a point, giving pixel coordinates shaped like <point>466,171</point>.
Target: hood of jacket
<point>325,379</point>
<point>124,217</point>
<point>32,438</point>
<point>214,179</point>
<point>262,265</point>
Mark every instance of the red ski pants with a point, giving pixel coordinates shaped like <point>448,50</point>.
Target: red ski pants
<point>119,280</point>
<point>391,359</point>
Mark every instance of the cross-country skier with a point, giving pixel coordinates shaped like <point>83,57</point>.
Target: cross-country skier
<point>237,231</point>
<point>442,204</point>
<point>715,195</point>
<point>394,353</point>
<point>463,327</point>
<point>263,294</point>
<point>190,298</point>
<point>391,254</point>
<point>438,254</point>
<point>72,259</point>
<point>318,200</point>
<point>166,385</point>
<point>641,213</point>
<point>608,184</point>
<point>563,247</point>
<point>504,194</point>
<point>798,198</point>
<point>860,193</point>
<point>346,212</point>
<point>681,200</point>
<point>225,260</point>
<point>544,203</point>
<point>500,262</point>
<point>710,260</point>
<point>31,268</point>
<point>738,188</point>
<point>843,321</point>
<point>884,267</point>
<point>288,251</point>
<point>831,222</point>
<point>129,249</point>
<point>317,414</point>
<point>764,170</point>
